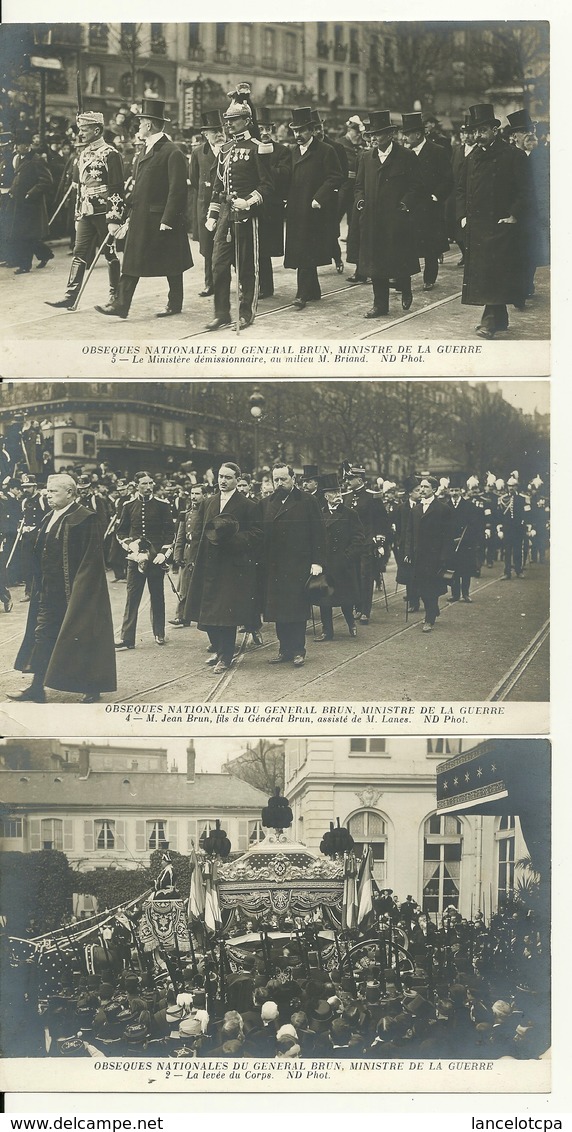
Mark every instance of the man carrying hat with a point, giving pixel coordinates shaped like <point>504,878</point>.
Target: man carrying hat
<point>98,175</point>
<point>240,186</point>
<point>494,202</point>
<point>437,177</point>
<point>389,188</point>
<point>68,643</point>
<point>377,529</point>
<point>204,160</point>
<point>222,590</point>
<point>537,250</point>
<point>427,546</point>
<point>311,206</point>
<point>157,243</point>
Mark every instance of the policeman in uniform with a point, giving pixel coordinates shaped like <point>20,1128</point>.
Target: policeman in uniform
<point>377,527</point>
<point>511,511</point>
<point>237,194</point>
<point>145,517</point>
<point>34,508</point>
<point>99,206</point>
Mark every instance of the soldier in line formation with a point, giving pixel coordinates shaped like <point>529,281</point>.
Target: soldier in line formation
<point>252,551</point>
<point>403,189</point>
<point>463,988</point>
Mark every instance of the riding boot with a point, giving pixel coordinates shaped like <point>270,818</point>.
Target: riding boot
<point>114,272</point>
<point>75,279</point>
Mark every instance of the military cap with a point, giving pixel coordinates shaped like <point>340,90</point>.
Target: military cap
<point>90,118</point>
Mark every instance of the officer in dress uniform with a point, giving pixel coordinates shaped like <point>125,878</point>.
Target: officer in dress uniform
<point>99,206</point>
<point>204,160</point>
<point>239,190</point>
<point>377,527</point>
<point>34,508</point>
<point>149,519</point>
<point>512,518</point>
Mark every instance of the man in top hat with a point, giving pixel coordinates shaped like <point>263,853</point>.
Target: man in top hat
<point>241,184</point>
<point>222,590</point>
<point>321,134</point>
<point>157,242</point>
<point>494,201</point>
<point>294,550</point>
<point>28,225</point>
<point>98,175</point>
<point>460,154</point>
<point>464,530</point>
<point>427,546</point>
<point>377,530</point>
<point>512,517</point>
<point>6,178</point>
<point>68,642</point>
<point>203,166</point>
<point>311,206</point>
<point>537,249</point>
<point>389,188</point>
<point>310,479</point>
<point>345,540</point>
<point>147,521</point>
<point>437,177</point>
<point>276,157</point>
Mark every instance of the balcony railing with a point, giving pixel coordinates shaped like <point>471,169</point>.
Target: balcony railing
<point>269,62</point>
<point>197,52</point>
<point>340,52</point>
<point>159,46</point>
<point>222,55</point>
<point>246,59</point>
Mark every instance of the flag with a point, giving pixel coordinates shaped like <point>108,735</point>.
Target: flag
<point>213,918</point>
<point>365,886</point>
<point>349,899</point>
<point>196,902</point>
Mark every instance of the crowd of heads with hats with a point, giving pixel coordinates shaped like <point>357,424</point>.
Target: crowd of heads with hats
<point>461,989</point>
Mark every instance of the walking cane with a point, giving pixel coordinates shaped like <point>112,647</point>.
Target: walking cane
<point>173,586</point>
<point>88,274</point>
<point>384,592</point>
<point>237,267</point>
<point>15,543</point>
<point>61,204</point>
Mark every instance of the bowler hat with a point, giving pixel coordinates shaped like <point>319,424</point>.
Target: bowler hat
<point>221,529</point>
<point>412,122</point>
<point>301,116</point>
<point>520,120</point>
<point>379,122</point>
<point>482,114</point>
<point>211,120</point>
<point>153,108</point>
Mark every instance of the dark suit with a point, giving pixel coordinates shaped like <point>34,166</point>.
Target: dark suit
<point>294,539</point>
<point>464,533</point>
<point>345,540</point>
<point>222,591</point>
<point>149,519</point>
<point>437,177</point>
<point>511,515</point>
<point>159,197</point>
<point>272,215</point>
<point>202,177</point>
<point>28,225</point>
<point>375,521</point>
<point>427,546</point>
<point>315,175</point>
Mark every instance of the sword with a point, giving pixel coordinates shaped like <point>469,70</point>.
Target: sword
<point>61,204</point>
<point>16,541</point>
<point>88,273</point>
<point>173,587</point>
<point>237,266</point>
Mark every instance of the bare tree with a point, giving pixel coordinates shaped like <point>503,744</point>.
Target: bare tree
<point>261,765</point>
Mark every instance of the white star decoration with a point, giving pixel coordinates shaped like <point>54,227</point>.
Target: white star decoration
<point>479,772</point>
<point>493,767</point>
<point>467,777</point>
<point>455,782</point>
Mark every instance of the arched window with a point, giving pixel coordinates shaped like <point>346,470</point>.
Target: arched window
<point>369,828</point>
<point>505,838</point>
<point>442,850</point>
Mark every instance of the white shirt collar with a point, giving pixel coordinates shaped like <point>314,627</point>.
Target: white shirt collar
<point>469,148</point>
<point>225,496</point>
<point>384,154</point>
<point>418,148</point>
<point>426,502</point>
<point>57,515</point>
<point>152,140</point>
<point>305,148</point>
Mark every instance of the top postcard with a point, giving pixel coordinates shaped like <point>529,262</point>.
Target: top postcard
<point>303,199</point>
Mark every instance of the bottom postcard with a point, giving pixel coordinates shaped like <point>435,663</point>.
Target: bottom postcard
<point>276,914</point>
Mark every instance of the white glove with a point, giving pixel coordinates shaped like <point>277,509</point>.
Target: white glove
<point>315,570</point>
<point>315,204</point>
<point>165,228</point>
<point>158,559</point>
<point>464,222</point>
<point>113,228</point>
<point>210,224</point>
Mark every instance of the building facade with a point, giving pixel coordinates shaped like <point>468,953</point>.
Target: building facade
<point>383,790</point>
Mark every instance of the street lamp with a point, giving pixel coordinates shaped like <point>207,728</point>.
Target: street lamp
<point>257,402</point>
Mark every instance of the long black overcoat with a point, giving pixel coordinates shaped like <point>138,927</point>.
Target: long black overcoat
<point>222,589</point>
<point>345,540</point>
<point>464,531</point>
<point>494,184</point>
<point>32,183</point>
<point>429,215</point>
<point>202,177</point>
<point>294,539</point>
<point>388,247</point>
<point>159,197</point>
<point>427,543</point>
<point>315,175</point>
<point>272,212</point>
<point>83,659</point>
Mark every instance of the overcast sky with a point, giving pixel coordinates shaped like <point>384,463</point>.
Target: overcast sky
<point>525,395</point>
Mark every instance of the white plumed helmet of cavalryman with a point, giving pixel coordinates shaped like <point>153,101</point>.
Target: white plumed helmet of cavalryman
<point>491,479</point>
<point>240,105</point>
<point>473,481</point>
<point>499,484</point>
